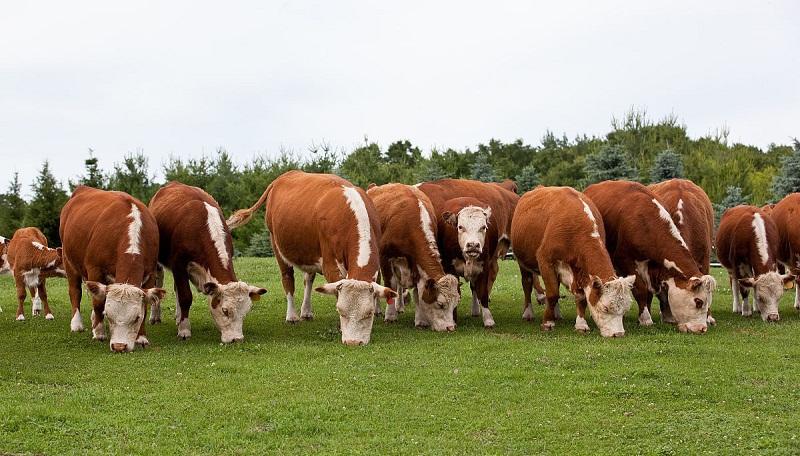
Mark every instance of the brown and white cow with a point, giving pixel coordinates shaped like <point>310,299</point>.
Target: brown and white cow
<point>31,262</point>
<point>110,240</point>
<point>786,215</point>
<point>323,223</point>
<point>558,233</point>
<point>468,242</point>
<point>642,239</point>
<point>693,214</point>
<point>196,245</point>
<point>410,255</point>
<point>747,245</point>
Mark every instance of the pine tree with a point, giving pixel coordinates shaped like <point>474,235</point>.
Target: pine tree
<point>733,197</point>
<point>527,179</point>
<point>12,208</point>
<point>45,207</point>
<point>788,179</point>
<point>482,170</point>
<point>433,171</point>
<point>94,176</point>
<point>133,177</point>
<point>668,165</point>
<point>260,245</point>
<point>609,163</point>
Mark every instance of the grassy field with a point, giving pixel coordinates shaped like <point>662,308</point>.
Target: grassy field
<point>297,389</point>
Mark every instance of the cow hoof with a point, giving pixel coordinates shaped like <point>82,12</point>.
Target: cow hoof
<point>99,337</point>
<point>528,314</point>
<point>583,329</point>
<point>309,316</point>
<point>401,310</point>
<point>711,321</point>
<point>390,318</point>
<point>49,316</point>
<point>747,314</point>
<point>142,340</point>
<point>292,319</point>
<point>20,317</point>
<point>184,334</point>
<point>36,312</point>
<point>488,324</point>
<point>155,321</point>
<point>548,325</point>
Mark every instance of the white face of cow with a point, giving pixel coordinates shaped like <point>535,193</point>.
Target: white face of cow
<point>355,302</point>
<point>125,307</point>
<point>440,299</point>
<point>471,223</point>
<point>5,267</point>
<point>768,289</point>
<point>609,302</point>
<point>229,305</point>
<point>688,300</point>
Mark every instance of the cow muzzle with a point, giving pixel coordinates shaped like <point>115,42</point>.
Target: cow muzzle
<point>693,328</point>
<point>773,317</point>
<point>119,347</point>
<point>352,342</point>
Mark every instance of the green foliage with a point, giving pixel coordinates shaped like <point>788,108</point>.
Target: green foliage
<point>45,207</point>
<point>12,208</point>
<point>260,245</point>
<point>668,165</point>
<point>733,197</point>
<point>788,180</point>
<point>94,176</point>
<point>364,166</point>
<point>527,179</point>
<point>609,163</point>
<point>132,176</point>
<point>482,170</point>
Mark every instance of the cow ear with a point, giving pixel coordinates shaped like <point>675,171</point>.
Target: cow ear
<point>597,284</point>
<point>255,293</point>
<point>371,185</point>
<point>450,218</point>
<point>155,294</point>
<point>788,281</point>
<point>629,280</point>
<point>332,288</point>
<point>747,282</point>
<point>384,292</point>
<point>210,288</point>
<point>430,293</point>
<point>487,211</point>
<point>695,283</point>
<point>97,290</point>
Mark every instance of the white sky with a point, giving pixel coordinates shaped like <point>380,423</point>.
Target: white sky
<point>184,78</point>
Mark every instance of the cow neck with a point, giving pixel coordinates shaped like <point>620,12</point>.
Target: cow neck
<point>221,274</point>
<point>760,268</point>
<point>429,260</point>
<point>593,260</point>
<point>130,269</point>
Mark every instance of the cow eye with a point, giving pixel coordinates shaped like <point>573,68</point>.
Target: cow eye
<point>460,228</point>
<point>483,228</point>
<point>699,303</point>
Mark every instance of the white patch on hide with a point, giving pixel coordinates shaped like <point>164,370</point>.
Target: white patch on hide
<point>362,224</point>
<point>216,230</point>
<point>134,230</point>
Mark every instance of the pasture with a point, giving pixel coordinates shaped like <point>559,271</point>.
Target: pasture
<point>297,389</point>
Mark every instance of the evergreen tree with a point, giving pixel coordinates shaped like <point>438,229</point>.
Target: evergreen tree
<point>482,170</point>
<point>668,165</point>
<point>788,179</point>
<point>94,176</point>
<point>433,171</point>
<point>733,197</point>
<point>45,207</point>
<point>132,176</point>
<point>527,179</point>
<point>609,163</point>
<point>12,208</point>
<point>260,245</point>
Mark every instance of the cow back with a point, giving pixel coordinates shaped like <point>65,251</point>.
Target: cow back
<point>786,215</point>
<point>747,236</point>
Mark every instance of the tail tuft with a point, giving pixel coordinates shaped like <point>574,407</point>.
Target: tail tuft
<point>239,218</point>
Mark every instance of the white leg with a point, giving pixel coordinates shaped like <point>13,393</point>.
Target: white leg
<point>557,312</point>
<point>37,304</point>
<point>142,340</point>
<point>755,301</point>
<point>305,311</point>
<point>527,314</point>
<point>737,297</point>
<point>797,296</point>
<point>476,305</point>
<point>402,296</point>
<point>581,325</point>
<point>645,319</point>
<point>291,314</point>
<point>488,321</point>
<point>20,317</point>
<point>155,311</point>
<point>391,306</point>
<point>747,310</point>
<point>76,325</point>
<point>184,329</point>
<point>98,328</point>
<point>421,319</point>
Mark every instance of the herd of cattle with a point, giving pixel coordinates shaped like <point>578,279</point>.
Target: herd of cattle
<point>615,239</point>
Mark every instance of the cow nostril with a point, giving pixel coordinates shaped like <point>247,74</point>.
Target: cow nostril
<point>451,328</point>
<point>353,342</point>
<point>619,334</point>
<point>773,317</point>
<point>117,348</point>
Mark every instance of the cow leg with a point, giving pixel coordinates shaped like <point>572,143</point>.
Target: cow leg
<point>540,296</point>
<point>98,318</point>
<point>155,308</point>
<point>421,318</point>
<point>42,295</point>
<point>527,289</point>
<point>710,318</point>
<point>797,294</point>
<point>580,320</point>
<point>482,288</point>
<point>551,286</point>
<point>747,309</point>
<point>666,311</point>
<point>389,280</point>
<point>737,297</point>
<point>476,305</point>
<point>287,280</point>
<point>20,284</point>
<point>75,293</point>
<point>141,336</point>
<point>643,297</point>
<point>36,301</point>
<point>305,310</point>
<point>183,294</point>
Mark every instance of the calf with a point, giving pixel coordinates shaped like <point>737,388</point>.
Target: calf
<point>110,240</point>
<point>558,233</point>
<point>642,239</point>
<point>747,245</point>
<point>786,215</point>
<point>693,214</point>
<point>196,245</point>
<point>410,256</point>
<point>31,262</point>
<point>323,223</point>
<point>468,242</point>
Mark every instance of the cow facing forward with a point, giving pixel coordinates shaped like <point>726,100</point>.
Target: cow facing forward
<point>110,240</point>
<point>31,262</point>
<point>410,255</point>
<point>323,223</point>
<point>747,245</point>
<point>786,215</point>
<point>558,233</point>
<point>642,239</point>
<point>196,245</point>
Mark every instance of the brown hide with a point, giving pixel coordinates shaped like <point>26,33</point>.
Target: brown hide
<point>182,217</point>
<point>786,215</point>
<point>737,244</point>
<point>24,257</point>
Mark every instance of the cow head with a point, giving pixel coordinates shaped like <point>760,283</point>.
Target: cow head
<point>125,308</point>
<point>609,301</point>
<point>5,267</point>
<point>471,222</point>
<point>768,289</point>
<point>689,300</point>
<point>355,302</point>
<point>229,303</point>
<point>440,298</point>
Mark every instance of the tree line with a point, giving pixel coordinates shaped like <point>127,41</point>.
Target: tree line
<point>636,148</point>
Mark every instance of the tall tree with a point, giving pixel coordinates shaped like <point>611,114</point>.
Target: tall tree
<point>733,197</point>
<point>482,170</point>
<point>788,179</point>
<point>609,163</point>
<point>93,175</point>
<point>133,177</point>
<point>527,179</point>
<point>45,206</point>
<point>12,208</point>
<point>668,165</point>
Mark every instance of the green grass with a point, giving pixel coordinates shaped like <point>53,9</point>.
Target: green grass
<point>297,389</point>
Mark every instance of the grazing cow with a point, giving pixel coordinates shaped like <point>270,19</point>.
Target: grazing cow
<point>509,185</point>
<point>408,246</point>
<point>558,233</point>
<point>323,223</point>
<point>468,242</point>
<point>642,239</point>
<point>31,262</point>
<point>693,214</point>
<point>786,215</point>
<point>110,240</point>
<point>747,245</point>
<point>196,245</point>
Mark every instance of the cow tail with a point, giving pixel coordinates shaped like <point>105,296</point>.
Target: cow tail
<point>242,216</point>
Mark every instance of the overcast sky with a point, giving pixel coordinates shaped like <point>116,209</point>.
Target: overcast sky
<point>184,78</point>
